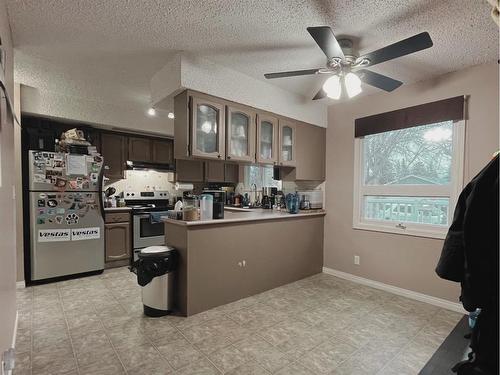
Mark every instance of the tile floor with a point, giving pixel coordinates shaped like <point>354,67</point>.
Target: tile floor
<point>319,325</point>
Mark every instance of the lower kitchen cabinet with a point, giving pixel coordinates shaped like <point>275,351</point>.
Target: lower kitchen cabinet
<point>117,240</point>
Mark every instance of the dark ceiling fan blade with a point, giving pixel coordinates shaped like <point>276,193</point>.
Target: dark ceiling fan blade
<point>320,94</point>
<point>404,47</point>
<point>378,80</point>
<point>324,37</point>
<point>291,73</point>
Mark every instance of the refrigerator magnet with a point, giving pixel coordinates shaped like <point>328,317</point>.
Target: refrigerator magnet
<point>60,182</point>
<point>59,219</point>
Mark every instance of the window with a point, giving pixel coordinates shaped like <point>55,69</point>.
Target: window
<point>407,180</point>
<point>260,176</point>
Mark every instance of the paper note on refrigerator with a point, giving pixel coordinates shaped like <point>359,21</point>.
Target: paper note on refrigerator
<point>76,165</point>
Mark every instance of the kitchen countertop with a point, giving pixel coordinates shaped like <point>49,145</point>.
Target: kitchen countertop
<point>112,209</point>
<point>239,215</point>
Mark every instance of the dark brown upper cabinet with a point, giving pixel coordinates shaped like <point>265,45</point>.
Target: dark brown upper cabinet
<point>139,149</point>
<point>163,151</point>
<point>216,171</point>
<point>189,170</point>
<point>207,128</point>
<point>114,152</point>
<point>231,173</point>
<point>240,134</point>
<point>287,143</point>
<point>267,139</point>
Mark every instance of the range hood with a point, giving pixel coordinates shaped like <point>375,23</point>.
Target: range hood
<point>143,166</point>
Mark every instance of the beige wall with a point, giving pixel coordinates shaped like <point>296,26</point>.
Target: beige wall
<point>400,260</point>
<point>7,216</point>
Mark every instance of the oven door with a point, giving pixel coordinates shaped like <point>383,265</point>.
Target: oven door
<point>147,234</point>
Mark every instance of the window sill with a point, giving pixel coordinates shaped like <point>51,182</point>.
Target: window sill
<point>409,231</point>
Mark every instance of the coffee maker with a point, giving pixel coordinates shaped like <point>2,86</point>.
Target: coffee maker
<point>219,201</point>
<point>268,194</point>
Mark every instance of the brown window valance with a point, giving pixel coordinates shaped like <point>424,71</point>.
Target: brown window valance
<point>429,113</point>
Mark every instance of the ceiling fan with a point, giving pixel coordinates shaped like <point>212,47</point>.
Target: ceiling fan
<point>346,67</point>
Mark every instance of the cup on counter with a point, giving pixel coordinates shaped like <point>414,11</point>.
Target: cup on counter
<point>206,207</point>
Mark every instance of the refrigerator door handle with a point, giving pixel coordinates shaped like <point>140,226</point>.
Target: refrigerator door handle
<point>100,192</point>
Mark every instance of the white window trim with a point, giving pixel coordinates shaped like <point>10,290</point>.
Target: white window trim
<point>411,229</point>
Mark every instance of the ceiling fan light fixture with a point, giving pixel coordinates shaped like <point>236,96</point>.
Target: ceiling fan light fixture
<point>332,87</point>
<point>352,84</point>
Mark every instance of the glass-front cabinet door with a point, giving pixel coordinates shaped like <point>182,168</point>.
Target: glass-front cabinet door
<point>207,128</point>
<point>240,134</point>
<point>287,143</point>
<point>267,139</point>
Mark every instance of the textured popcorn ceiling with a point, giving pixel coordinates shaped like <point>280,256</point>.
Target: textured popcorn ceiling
<point>109,49</point>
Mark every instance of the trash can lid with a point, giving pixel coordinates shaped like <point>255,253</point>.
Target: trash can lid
<point>153,251</point>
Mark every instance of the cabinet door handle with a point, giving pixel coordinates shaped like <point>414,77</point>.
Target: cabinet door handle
<point>228,157</point>
<point>218,156</point>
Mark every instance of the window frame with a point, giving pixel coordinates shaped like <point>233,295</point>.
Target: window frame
<point>451,191</point>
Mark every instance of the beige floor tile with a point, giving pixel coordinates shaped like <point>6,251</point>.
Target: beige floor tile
<point>295,369</point>
<point>98,368</point>
<point>260,351</point>
<point>23,341</point>
<point>159,367</point>
<point>53,362</point>
<point>228,358</point>
<point>98,354</point>
<point>134,356</point>
<point>198,367</point>
<point>23,361</point>
<point>212,344</point>
<point>326,357</point>
<point>179,353</point>
<point>249,368</point>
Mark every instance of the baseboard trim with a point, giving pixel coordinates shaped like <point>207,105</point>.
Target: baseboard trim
<point>20,284</point>
<point>445,304</point>
<point>15,330</point>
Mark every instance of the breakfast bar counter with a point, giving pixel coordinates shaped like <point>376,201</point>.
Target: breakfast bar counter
<point>240,215</point>
<point>246,253</point>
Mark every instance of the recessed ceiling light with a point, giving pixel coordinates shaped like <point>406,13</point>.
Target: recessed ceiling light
<point>151,111</point>
<point>171,115</point>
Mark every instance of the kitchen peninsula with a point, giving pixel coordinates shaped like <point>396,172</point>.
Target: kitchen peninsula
<point>247,252</point>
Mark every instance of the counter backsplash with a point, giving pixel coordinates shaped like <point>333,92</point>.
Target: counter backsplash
<point>145,181</point>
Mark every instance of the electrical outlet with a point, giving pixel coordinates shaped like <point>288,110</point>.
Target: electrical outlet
<point>356,259</point>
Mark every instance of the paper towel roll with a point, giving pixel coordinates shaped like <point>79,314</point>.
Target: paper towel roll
<point>179,186</point>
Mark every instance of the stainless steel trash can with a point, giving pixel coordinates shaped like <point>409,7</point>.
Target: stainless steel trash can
<point>157,264</point>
